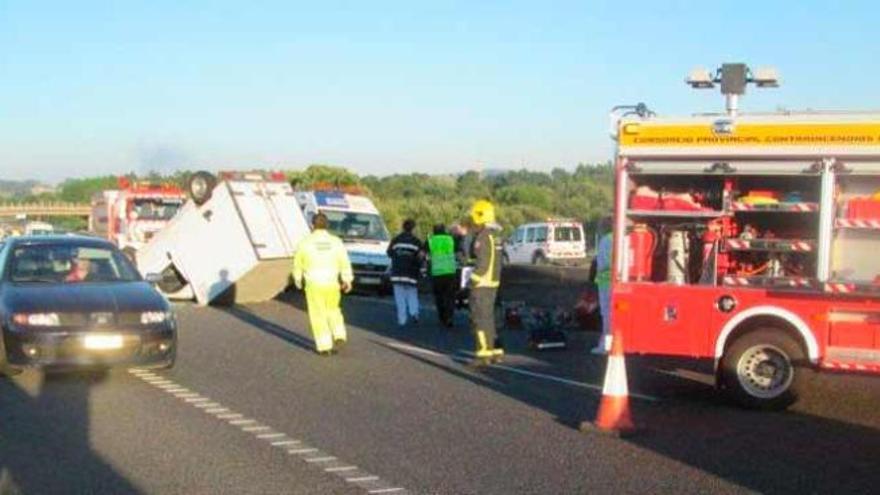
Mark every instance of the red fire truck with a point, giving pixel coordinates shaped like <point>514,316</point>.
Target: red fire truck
<point>131,215</point>
<point>749,241</point>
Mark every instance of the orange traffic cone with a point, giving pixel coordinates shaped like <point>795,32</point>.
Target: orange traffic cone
<point>614,416</point>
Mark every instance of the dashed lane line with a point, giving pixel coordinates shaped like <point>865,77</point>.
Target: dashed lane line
<point>361,479</point>
<point>265,436</point>
<point>302,451</point>
<point>253,429</point>
<point>312,456</point>
<point>340,469</point>
<point>282,443</point>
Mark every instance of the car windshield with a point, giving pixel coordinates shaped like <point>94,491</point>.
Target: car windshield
<point>155,208</point>
<point>567,234</point>
<point>353,226</point>
<point>66,263</point>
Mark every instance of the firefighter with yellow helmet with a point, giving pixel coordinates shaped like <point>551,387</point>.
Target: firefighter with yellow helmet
<point>322,263</point>
<point>485,280</point>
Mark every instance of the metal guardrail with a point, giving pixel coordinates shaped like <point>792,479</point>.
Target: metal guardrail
<point>53,209</point>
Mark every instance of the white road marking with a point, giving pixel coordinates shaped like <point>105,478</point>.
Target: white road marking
<point>267,436</point>
<point>361,479</point>
<point>510,369</point>
<point>255,428</point>
<point>340,469</point>
<point>302,451</point>
<point>412,348</point>
<point>285,442</point>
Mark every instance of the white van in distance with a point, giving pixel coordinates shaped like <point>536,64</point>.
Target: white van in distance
<point>543,243</point>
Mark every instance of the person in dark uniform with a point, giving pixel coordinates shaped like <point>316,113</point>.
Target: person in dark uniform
<point>406,252</point>
<point>485,280</point>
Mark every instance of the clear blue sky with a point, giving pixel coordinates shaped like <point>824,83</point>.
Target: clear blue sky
<point>386,87</point>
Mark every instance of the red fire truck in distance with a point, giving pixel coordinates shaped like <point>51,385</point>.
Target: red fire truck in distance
<point>749,241</point>
<point>131,215</point>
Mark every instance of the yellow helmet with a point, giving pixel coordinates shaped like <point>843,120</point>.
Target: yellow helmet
<point>483,212</point>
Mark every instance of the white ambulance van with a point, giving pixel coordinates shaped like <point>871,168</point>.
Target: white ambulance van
<point>356,220</point>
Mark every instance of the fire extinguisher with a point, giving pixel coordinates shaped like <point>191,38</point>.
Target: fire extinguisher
<point>642,242</point>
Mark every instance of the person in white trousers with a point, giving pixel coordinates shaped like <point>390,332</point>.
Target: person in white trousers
<point>407,253</point>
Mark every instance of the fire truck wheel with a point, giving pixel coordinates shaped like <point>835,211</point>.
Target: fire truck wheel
<point>200,185</point>
<point>765,369</point>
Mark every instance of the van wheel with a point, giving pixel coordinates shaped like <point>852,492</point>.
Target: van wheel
<point>765,369</point>
<point>200,185</point>
<point>172,281</point>
<point>505,259</point>
<point>539,259</point>
<point>131,254</point>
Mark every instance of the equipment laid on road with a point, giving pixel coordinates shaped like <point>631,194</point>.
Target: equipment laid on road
<point>765,230</point>
<point>357,221</point>
<point>132,214</point>
<point>235,244</point>
<point>545,330</point>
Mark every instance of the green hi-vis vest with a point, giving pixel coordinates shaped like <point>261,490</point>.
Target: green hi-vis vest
<point>442,248</point>
<point>603,279</point>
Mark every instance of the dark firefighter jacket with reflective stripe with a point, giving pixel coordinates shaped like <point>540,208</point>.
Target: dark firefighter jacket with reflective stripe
<point>487,251</point>
<point>406,264</point>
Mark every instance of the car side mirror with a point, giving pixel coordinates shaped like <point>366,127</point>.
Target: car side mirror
<point>153,278</point>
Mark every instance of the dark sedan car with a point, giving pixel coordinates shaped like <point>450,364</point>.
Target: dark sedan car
<point>77,302</point>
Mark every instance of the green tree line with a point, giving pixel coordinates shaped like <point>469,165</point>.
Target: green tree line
<point>584,193</point>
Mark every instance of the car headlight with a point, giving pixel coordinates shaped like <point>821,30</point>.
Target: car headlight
<point>37,319</point>
<point>154,317</point>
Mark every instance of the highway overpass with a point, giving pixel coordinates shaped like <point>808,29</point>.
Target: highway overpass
<point>45,209</point>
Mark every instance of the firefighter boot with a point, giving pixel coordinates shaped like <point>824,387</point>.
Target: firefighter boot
<point>483,354</point>
<point>497,355</point>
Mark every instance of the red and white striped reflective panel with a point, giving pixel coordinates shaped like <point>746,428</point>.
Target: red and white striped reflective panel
<point>838,288</point>
<point>860,367</point>
<point>858,223</point>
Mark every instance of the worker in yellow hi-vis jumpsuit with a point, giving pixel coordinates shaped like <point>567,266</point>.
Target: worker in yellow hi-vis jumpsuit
<point>322,263</point>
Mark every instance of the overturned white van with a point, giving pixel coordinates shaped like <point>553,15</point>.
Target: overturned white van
<point>232,242</point>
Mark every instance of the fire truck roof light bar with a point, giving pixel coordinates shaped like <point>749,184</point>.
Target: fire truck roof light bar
<point>733,79</point>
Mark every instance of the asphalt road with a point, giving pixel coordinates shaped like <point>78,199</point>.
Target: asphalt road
<point>249,408</point>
